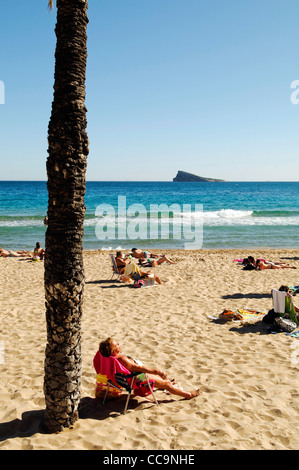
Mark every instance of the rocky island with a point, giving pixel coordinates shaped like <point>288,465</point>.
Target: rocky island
<point>183,176</point>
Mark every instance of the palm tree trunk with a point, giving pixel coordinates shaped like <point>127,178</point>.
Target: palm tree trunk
<point>66,169</point>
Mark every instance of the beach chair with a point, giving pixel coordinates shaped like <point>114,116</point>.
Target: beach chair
<point>116,379</point>
<point>283,304</point>
<point>115,271</point>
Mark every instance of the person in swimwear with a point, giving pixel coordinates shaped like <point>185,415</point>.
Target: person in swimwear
<point>121,264</point>
<point>148,259</point>
<point>264,261</point>
<point>14,254</point>
<point>260,265</point>
<point>110,348</point>
<point>38,252</point>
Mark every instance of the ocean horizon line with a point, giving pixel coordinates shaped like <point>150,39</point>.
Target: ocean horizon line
<point>157,181</point>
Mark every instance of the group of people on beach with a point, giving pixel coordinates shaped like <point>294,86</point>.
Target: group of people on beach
<point>37,254</point>
<point>251,263</point>
<point>109,347</point>
<point>146,259</point>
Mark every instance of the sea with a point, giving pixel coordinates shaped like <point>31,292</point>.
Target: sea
<point>161,215</point>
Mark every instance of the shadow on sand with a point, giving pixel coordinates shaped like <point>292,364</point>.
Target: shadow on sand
<point>252,295</point>
<point>111,284</point>
<point>258,327</point>
<point>32,422</point>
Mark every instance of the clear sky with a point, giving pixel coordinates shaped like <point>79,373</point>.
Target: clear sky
<point>193,85</point>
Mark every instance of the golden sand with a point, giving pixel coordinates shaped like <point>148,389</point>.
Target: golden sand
<point>249,378</point>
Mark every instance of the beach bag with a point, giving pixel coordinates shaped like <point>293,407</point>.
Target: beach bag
<point>270,317</point>
<point>285,324</point>
<point>249,267</point>
<point>138,283</point>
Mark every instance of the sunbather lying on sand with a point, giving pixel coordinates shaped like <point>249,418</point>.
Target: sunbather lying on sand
<point>148,259</point>
<point>14,254</point>
<point>260,265</point>
<point>111,348</point>
<point>278,264</point>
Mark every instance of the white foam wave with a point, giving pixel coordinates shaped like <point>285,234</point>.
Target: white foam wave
<point>223,217</point>
<point>21,223</point>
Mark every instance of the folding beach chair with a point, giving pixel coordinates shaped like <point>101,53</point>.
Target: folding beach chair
<point>115,271</point>
<point>115,379</point>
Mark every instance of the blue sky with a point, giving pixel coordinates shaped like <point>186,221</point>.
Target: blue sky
<point>200,86</point>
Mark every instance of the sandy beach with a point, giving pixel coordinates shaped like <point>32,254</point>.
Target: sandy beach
<point>248,377</point>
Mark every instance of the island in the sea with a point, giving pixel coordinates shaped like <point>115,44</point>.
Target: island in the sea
<point>183,176</point>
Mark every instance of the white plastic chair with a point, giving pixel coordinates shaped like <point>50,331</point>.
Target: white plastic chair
<point>114,268</point>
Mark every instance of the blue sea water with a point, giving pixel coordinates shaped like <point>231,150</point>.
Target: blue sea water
<point>161,215</point>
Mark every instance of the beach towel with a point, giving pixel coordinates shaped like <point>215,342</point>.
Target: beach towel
<point>241,260</point>
<point>131,269</point>
<point>145,282</point>
<point>278,300</point>
<point>237,315</point>
<point>108,366</point>
<point>149,282</point>
<point>295,334</point>
<point>101,388</point>
<point>295,289</point>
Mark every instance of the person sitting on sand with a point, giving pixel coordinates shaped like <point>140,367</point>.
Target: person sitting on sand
<point>148,259</point>
<point>14,254</point>
<point>260,265</point>
<point>38,252</point>
<point>134,273</point>
<point>110,348</point>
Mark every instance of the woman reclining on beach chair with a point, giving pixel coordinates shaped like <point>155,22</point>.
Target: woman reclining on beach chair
<point>109,348</point>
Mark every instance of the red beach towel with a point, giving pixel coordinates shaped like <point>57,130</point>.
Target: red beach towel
<point>108,366</point>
